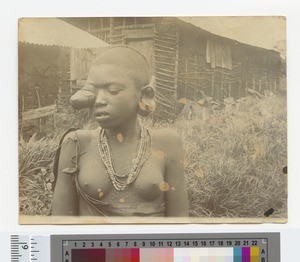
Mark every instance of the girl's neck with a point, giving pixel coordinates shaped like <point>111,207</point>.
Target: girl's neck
<point>130,131</point>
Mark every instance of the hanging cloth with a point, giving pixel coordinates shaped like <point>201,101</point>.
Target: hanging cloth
<point>218,55</point>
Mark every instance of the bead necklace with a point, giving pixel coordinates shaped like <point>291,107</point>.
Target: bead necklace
<point>138,161</point>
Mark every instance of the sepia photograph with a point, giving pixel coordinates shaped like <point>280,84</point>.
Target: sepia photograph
<point>152,120</point>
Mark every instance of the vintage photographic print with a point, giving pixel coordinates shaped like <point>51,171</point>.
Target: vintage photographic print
<point>152,120</point>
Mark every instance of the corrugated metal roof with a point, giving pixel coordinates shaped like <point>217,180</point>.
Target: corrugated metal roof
<point>260,31</point>
<point>55,32</point>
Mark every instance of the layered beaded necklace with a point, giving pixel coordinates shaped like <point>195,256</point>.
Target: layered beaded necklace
<point>120,182</point>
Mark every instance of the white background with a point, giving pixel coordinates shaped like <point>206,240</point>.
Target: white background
<point>11,10</point>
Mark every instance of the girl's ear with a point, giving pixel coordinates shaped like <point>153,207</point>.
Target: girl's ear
<point>147,103</point>
<point>83,98</point>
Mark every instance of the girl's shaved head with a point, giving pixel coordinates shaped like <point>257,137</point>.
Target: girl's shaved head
<point>126,58</point>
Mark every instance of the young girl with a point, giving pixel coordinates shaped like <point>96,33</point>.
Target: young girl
<point>121,168</point>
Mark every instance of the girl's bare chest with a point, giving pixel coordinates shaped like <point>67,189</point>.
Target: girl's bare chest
<point>94,179</point>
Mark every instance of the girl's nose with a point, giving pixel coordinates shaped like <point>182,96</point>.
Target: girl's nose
<point>100,98</point>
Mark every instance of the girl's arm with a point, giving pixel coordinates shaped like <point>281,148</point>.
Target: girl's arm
<point>176,194</point>
<point>65,198</point>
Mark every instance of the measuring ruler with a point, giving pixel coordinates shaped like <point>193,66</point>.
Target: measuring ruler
<point>30,248</point>
<point>224,247</point>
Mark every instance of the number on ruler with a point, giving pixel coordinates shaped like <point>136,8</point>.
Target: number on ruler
<point>25,247</point>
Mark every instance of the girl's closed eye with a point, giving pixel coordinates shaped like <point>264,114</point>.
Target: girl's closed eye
<point>113,91</point>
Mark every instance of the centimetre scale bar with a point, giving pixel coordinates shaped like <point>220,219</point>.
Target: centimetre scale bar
<point>206,247</point>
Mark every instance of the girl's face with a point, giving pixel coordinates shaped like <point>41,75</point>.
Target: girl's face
<point>117,98</point>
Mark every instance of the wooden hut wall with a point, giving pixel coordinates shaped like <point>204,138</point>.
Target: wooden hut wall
<point>194,75</point>
<point>260,69</point>
<point>80,62</point>
<point>197,78</point>
<point>252,69</point>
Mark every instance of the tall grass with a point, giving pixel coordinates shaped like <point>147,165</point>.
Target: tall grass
<point>35,175</point>
<point>233,161</point>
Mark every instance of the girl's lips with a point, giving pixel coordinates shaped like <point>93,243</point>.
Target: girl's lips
<point>101,116</point>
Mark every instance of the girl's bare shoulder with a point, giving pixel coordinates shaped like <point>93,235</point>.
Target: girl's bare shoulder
<point>167,138</point>
<point>81,135</point>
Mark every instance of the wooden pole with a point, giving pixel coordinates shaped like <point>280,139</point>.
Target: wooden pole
<point>111,25</point>
<point>185,77</point>
<point>102,34</point>
<point>195,77</point>
<point>176,68</point>
<point>39,102</point>
<point>212,86</point>
<point>259,85</point>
